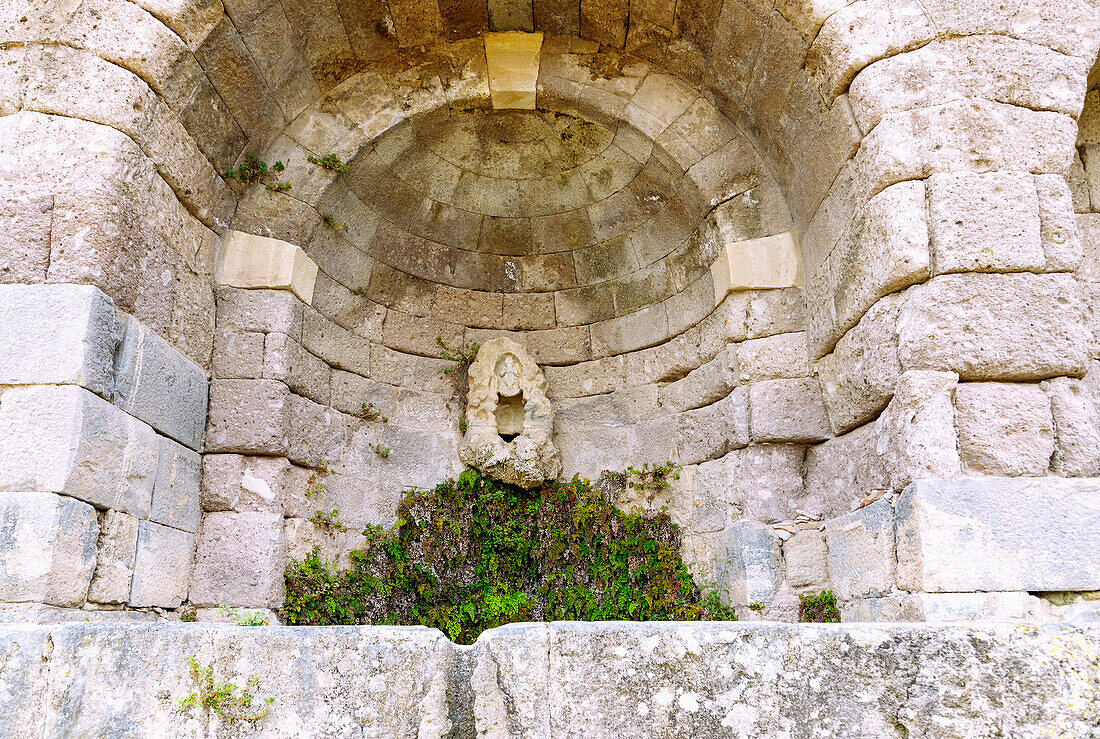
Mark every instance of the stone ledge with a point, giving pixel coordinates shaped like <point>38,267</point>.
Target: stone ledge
<point>251,261</point>
<point>592,679</point>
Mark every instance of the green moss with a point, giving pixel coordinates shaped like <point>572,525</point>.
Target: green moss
<point>474,553</point>
<point>818,608</point>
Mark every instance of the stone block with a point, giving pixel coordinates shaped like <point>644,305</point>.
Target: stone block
<point>162,567</point>
<point>943,607</point>
<point>712,431</point>
<point>157,384</point>
<point>805,558</point>
<point>115,552</point>
<point>58,334</point>
<point>1058,224</point>
<point>238,355</point>
<point>858,376</point>
<point>844,470</point>
<point>47,548</point>
<point>336,545</point>
<point>337,346</point>
<point>915,435</point>
<point>260,311</point>
<point>774,312</point>
<point>248,416</point>
<point>176,488</point>
<point>985,222</point>
<point>1076,427</point>
<point>995,327</point>
<point>788,411</point>
<point>231,482</point>
<point>702,386</point>
<point>762,482</point>
<point>767,262</point>
<point>781,356</point>
<point>1004,429</point>
<point>259,262</point>
<point>315,431</point>
<point>862,551</point>
<point>305,374</point>
<point>998,535</point>
<point>748,563</point>
<point>64,439</point>
<point>512,59</point>
<point>240,561</point>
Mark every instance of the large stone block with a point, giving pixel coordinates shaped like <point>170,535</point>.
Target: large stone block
<point>260,311</point>
<point>748,563</point>
<point>162,567</point>
<point>915,435</point>
<point>762,481</point>
<point>231,482</point>
<point>862,556</point>
<point>780,356</point>
<point>999,535</point>
<point>159,385</point>
<point>1004,428</point>
<point>702,386</point>
<point>1076,427</point>
<point>251,261</point>
<point>115,552</point>
<point>712,431</point>
<point>58,334</point>
<point>1060,235</point>
<point>248,416</point>
<point>176,489</point>
<point>944,607</point>
<point>47,548</point>
<point>240,561</point>
<point>858,377</point>
<point>985,222</point>
<point>995,327</point>
<point>64,439</point>
<point>805,557</point>
<point>844,470</point>
<point>305,374</point>
<point>788,410</point>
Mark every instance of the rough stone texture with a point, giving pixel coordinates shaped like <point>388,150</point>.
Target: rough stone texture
<point>843,470</point>
<point>712,431</point>
<point>862,556</point>
<point>57,334</point>
<point>159,385</point>
<point>788,410</point>
<point>781,356</point>
<point>805,560</point>
<point>748,563</point>
<point>248,416</point>
<point>762,482</point>
<point>335,545</point>
<point>944,607</point>
<point>162,568</point>
<point>231,482</point>
<point>1076,427</point>
<point>47,548</point>
<point>1004,429</point>
<point>995,327</point>
<point>915,435</point>
<point>176,489</point>
<point>64,439</point>
<point>1013,534</point>
<point>115,552</point>
<point>240,560</point>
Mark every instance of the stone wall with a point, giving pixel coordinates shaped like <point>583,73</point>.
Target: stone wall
<point>559,680</point>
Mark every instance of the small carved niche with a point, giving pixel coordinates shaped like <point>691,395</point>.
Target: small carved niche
<point>511,407</point>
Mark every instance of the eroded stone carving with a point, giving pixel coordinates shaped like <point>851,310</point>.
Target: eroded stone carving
<point>510,423</point>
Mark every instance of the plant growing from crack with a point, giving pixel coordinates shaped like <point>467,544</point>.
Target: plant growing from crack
<point>330,162</point>
<point>328,522</point>
<point>253,169</point>
<point>224,699</point>
<point>818,608</point>
<point>316,484</point>
<point>381,451</point>
<point>370,413</point>
<point>243,617</point>
<point>329,222</point>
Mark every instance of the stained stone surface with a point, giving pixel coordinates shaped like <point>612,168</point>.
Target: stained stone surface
<point>560,680</point>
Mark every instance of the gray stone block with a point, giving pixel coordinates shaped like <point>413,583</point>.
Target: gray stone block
<point>115,552</point>
<point>240,561</point>
<point>788,410</point>
<point>805,557</point>
<point>159,385</point>
<point>176,489</point>
<point>248,416</point>
<point>999,534</point>
<point>862,558</point>
<point>944,607</point>
<point>57,334</point>
<point>712,431</point>
<point>162,568</point>
<point>64,439</point>
<point>748,563</point>
<point>47,548</point>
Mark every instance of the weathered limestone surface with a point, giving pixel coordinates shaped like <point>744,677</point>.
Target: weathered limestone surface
<point>1012,534</point>
<point>162,568</point>
<point>562,679</point>
<point>748,563</point>
<point>1004,428</point>
<point>862,559</point>
<point>57,334</point>
<point>116,550</point>
<point>47,548</point>
<point>239,561</point>
<point>176,489</point>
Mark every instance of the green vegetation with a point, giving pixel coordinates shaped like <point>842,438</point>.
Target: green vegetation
<point>223,698</point>
<point>475,553</point>
<point>756,606</point>
<point>655,478</point>
<point>316,484</point>
<point>818,608</point>
<point>328,521</point>
<point>462,358</point>
<point>329,221</point>
<point>253,169</point>
<point>330,162</point>
<point>381,451</point>
<point>370,413</point>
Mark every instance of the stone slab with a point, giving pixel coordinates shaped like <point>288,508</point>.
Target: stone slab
<point>115,552</point>
<point>259,262</point>
<point>999,534</point>
<point>240,560</point>
<point>162,568</point>
<point>862,559</point>
<point>57,334</point>
<point>47,548</point>
<point>748,563</point>
<point>176,489</point>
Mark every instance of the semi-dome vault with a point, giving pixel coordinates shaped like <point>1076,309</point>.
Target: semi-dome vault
<point>817,253</point>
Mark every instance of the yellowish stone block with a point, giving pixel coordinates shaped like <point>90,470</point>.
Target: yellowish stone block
<point>768,262</point>
<point>251,261</point>
<point>512,60</point>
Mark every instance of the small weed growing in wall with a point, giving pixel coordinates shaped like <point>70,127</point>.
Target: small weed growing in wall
<point>462,358</point>
<point>243,617</point>
<point>253,169</point>
<point>381,451</point>
<point>316,484</point>
<point>818,608</point>
<point>223,698</point>
<point>653,478</point>
<point>329,222</point>
<point>756,606</point>
<point>328,522</point>
<point>475,553</point>
<point>330,162</point>
<point>370,413</point>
